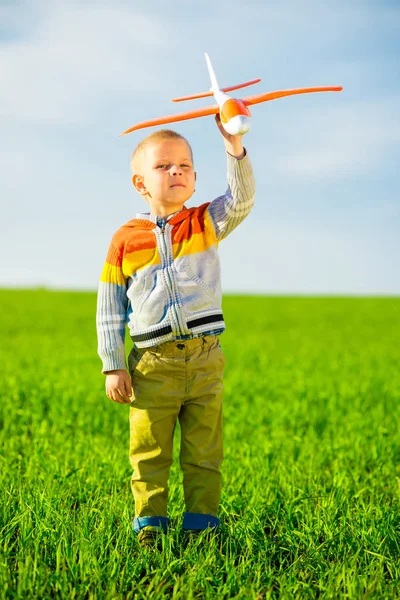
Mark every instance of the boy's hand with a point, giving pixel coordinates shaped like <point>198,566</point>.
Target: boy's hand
<point>118,386</point>
<point>233,143</point>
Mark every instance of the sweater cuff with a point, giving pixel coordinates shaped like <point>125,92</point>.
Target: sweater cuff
<point>234,157</point>
<point>113,360</point>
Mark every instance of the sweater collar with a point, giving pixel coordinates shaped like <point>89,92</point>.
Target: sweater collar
<point>174,218</point>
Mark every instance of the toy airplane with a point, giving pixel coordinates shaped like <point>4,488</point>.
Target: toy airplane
<point>235,116</point>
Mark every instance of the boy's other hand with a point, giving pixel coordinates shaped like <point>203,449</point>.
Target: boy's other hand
<point>118,386</point>
<point>233,143</point>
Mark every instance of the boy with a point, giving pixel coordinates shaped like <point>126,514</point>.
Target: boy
<point>162,277</point>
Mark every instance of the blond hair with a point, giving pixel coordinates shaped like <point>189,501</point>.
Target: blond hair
<point>153,138</point>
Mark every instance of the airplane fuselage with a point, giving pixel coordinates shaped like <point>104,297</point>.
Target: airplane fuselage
<point>235,116</point>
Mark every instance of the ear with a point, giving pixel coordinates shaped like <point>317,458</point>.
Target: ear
<point>139,185</point>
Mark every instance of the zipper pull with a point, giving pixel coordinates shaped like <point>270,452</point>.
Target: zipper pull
<point>161,224</point>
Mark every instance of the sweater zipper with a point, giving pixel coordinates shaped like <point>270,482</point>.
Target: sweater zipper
<point>169,278</point>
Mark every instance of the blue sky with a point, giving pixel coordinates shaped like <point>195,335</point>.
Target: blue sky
<point>77,73</point>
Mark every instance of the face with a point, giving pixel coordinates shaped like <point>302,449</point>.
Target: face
<point>167,176</point>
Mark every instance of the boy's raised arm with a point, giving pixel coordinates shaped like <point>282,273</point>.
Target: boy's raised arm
<point>229,210</point>
<point>233,143</point>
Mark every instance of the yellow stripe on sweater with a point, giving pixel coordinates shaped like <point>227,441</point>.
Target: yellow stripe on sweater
<point>139,260</point>
<point>112,274</point>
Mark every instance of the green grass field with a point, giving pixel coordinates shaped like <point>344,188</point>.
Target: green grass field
<point>310,506</point>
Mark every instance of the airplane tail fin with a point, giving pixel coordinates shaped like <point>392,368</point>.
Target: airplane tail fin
<point>214,82</point>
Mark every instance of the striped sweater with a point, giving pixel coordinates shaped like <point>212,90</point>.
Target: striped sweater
<point>164,281</point>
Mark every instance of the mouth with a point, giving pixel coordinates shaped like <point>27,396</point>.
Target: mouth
<point>177,185</point>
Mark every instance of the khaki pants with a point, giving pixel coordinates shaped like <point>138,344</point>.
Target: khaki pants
<point>177,380</point>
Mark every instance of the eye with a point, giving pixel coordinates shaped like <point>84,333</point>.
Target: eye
<point>161,166</point>
<point>187,166</point>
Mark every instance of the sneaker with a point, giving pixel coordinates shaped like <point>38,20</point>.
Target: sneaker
<point>206,535</point>
<point>191,533</point>
<point>150,538</point>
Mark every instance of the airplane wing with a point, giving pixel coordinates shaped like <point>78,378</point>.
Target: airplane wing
<point>209,93</point>
<point>282,93</point>
<point>190,114</point>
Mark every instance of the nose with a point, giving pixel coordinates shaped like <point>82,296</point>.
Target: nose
<point>175,170</point>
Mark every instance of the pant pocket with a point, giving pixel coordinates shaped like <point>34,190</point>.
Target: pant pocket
<point>220,354</point>
<point>134,358</point>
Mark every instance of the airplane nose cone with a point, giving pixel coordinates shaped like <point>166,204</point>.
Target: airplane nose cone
<point>238,125</point>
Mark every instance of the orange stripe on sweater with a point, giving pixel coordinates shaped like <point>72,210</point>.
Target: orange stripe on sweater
<point>128,239</point>
<point>141,240</point>
<point>190,226</point>
<point>126,242</point>
<point>113,257</point>
<point>200,239</point>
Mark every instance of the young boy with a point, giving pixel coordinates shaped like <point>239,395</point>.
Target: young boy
<point>162,278</point>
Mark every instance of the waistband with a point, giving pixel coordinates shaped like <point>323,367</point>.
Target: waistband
<point>195,325</point>
<point>174,347</point>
